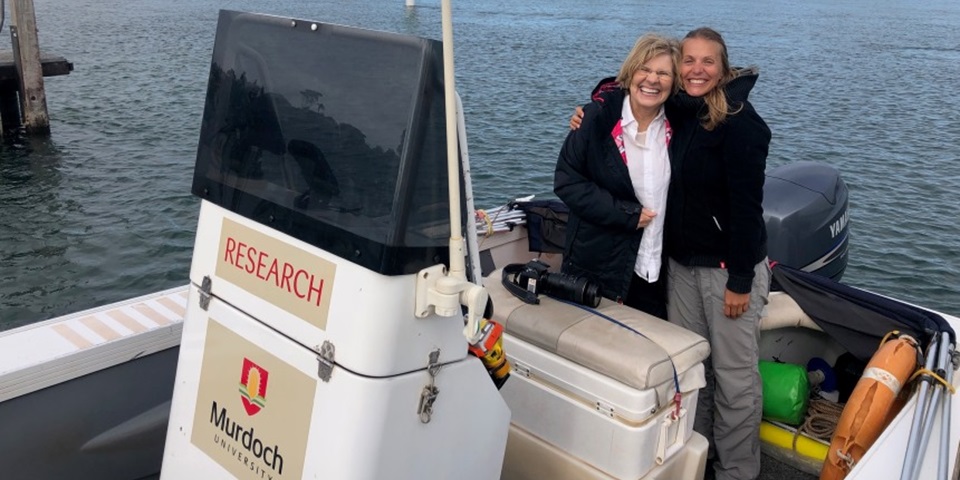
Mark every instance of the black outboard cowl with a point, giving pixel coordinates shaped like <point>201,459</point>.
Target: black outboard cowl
<point>805,207</point>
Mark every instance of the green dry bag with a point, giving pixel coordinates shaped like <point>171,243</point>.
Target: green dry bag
<point>786,392</point>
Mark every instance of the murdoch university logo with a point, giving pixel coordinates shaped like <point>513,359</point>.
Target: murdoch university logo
<point>253,387</point>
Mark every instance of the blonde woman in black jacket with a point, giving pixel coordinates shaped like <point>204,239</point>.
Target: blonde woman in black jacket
<point>613,174</point>
<point>719,277</point>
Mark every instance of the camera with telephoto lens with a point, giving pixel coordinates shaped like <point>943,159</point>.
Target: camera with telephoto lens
<point>527,281</point>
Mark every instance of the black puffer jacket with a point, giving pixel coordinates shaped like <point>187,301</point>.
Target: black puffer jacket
<point>592,179</point>
<point>715,203</point>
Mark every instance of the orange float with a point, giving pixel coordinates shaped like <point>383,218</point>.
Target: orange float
<point>871,406</point>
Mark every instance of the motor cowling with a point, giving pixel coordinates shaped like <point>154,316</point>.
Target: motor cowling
<point>805,207</point>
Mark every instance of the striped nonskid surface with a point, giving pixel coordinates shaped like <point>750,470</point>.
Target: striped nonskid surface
<point>45,353</point>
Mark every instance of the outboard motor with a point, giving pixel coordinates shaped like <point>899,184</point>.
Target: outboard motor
<point>805,207</point>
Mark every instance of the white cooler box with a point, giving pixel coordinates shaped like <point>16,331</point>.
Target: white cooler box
<point>594,389</point>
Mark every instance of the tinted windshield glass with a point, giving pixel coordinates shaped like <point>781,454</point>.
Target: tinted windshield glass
<point>331,134</point>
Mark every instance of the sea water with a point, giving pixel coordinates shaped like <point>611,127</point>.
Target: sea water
<point>101,211</point>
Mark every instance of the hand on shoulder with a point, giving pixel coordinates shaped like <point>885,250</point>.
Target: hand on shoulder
<point>577,118</point>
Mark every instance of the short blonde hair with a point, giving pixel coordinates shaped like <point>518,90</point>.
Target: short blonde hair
<point>647,47</point>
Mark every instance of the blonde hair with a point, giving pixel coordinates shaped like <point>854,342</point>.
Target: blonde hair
<point>717,106</point>
<point>647,47</point>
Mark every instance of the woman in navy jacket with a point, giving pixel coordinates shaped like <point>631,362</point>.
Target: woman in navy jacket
<point>613,174</point>
<point>719,277</point>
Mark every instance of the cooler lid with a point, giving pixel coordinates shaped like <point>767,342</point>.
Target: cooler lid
<point>646,355</point>
<point>609,396</point>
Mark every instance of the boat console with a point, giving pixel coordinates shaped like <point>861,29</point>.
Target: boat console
<point>322,172</point>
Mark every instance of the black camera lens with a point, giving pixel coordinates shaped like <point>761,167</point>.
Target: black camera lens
<point>528,281</point>
<point>572,288</point>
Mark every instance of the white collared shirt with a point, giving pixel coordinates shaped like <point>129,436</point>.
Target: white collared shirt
<point>649,168</point>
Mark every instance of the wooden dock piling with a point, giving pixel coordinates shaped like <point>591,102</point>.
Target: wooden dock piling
<point>23,100</point>
<point>26,55</point>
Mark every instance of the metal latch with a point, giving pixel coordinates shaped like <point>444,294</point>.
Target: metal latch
<point>430,390</point>
<point>325,369</point>
<point>206,291</point>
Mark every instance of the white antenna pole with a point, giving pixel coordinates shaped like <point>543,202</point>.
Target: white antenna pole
<point>457,263</point>
<point>445,294</point>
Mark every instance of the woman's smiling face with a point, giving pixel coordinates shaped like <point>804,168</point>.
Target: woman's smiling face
<point>652,84</point>
<point>701,66</point>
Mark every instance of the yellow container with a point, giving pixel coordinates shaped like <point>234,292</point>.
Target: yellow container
<point>783,438</point>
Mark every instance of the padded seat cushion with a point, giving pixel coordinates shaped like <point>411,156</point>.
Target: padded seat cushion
<point>589,340</point>
<point>782,311</point>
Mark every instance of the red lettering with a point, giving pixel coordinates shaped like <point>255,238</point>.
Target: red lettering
<point>318,289</point>
<point>240,249</point>
<point>230,250</point>
<point>251,252</point>
<point>287,275</point>
<point>275,272</point>
<point>260,265</point>
<point>296,283</point>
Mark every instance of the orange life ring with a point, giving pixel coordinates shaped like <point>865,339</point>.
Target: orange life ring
<point>871,406</point>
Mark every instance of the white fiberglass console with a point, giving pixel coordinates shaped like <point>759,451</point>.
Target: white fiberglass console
<point>322,176</point>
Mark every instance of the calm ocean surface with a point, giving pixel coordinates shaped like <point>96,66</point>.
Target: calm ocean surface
<point>101,210</point>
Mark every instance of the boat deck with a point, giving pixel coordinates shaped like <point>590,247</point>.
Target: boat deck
<point>773,469</point>
<point>42,354</point>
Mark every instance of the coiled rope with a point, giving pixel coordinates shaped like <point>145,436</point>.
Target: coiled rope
<point>821,421</point>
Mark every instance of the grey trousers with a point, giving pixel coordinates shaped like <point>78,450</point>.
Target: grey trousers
<point>729,408</point>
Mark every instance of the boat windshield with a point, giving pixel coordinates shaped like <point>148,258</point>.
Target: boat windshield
<point>330,134</point>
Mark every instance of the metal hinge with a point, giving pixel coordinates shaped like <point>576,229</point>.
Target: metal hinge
<point>325,369</point>
<point>605,409</point>
<point>521,369</point>
<point>430,390</point>
<point>206,289</point>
